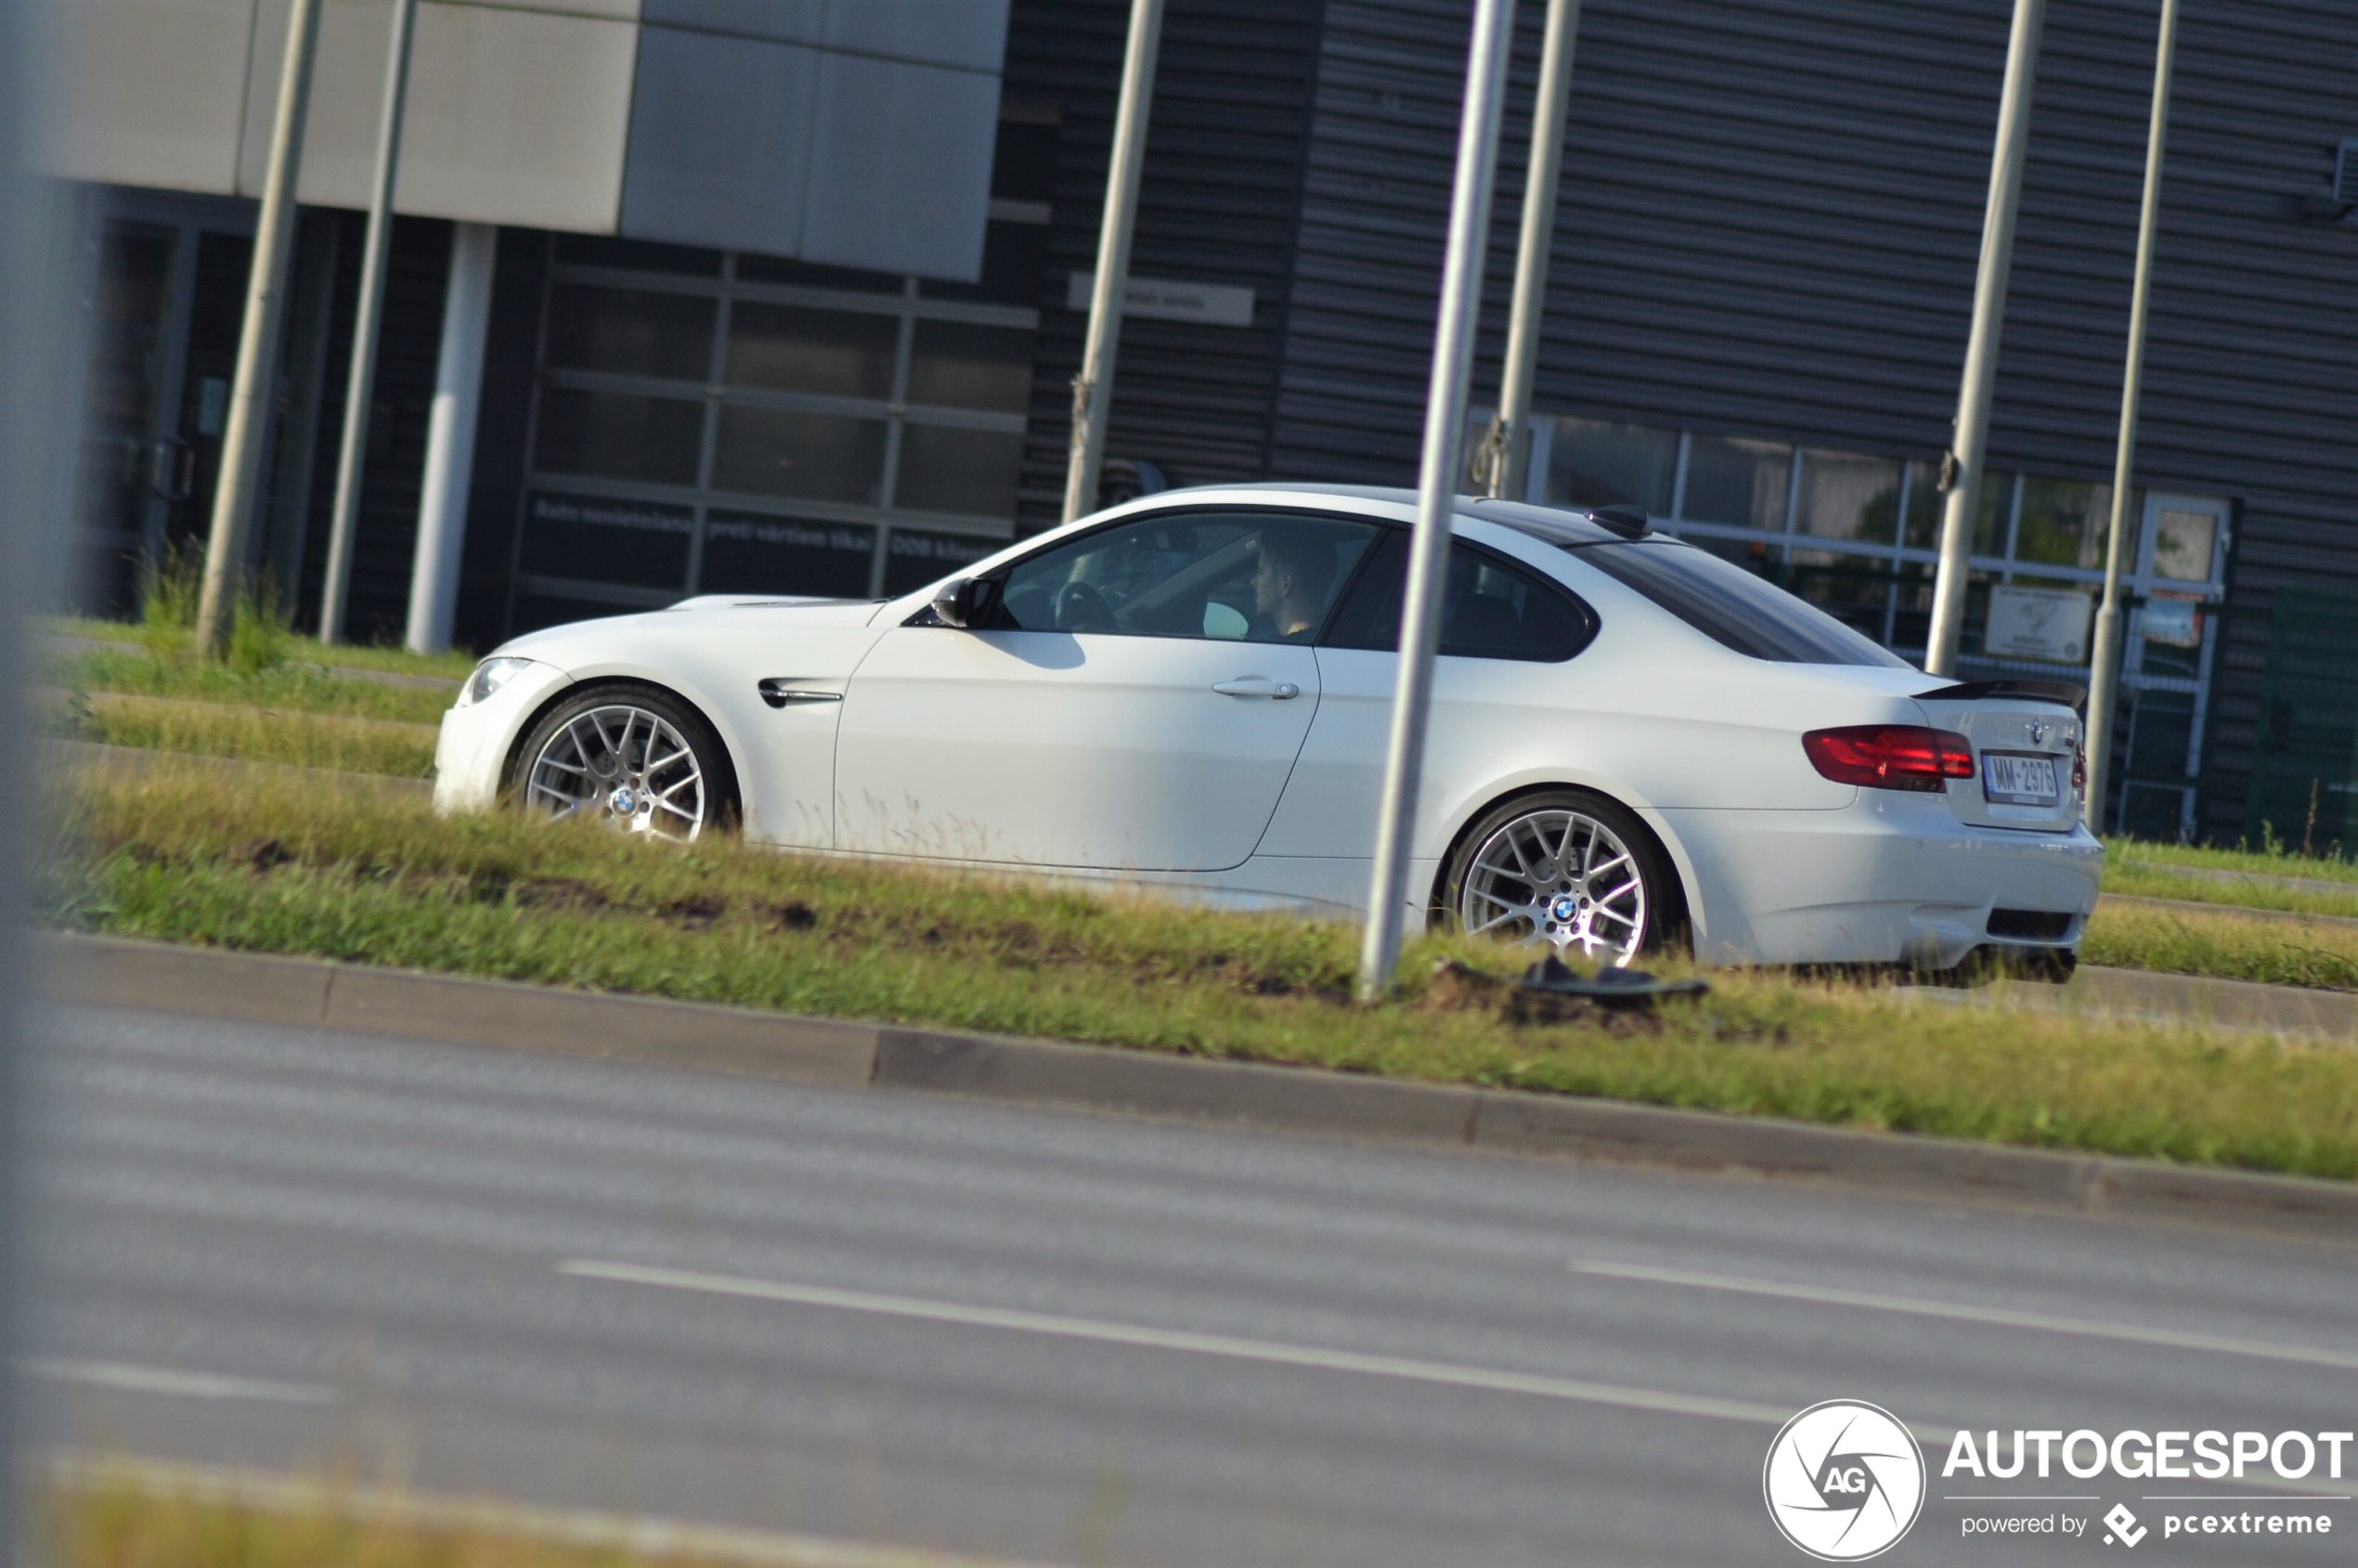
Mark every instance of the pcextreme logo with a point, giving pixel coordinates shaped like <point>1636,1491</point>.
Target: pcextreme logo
<point>1843,1480</point>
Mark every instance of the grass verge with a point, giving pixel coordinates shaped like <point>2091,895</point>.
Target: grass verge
<point>2224,945</point>
<point>255,734</point>
<point>280,868</point>
<point>120,1524</point>
<point>288,687</point>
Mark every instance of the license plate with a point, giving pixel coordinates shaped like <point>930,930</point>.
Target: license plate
<point>2012,779</point>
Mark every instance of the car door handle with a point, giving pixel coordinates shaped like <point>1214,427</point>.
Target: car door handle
<point>780,690</point>
<point>1258,686</point>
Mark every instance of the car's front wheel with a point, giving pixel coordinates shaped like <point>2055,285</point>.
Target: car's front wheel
<point>1568,869</point>
<point>634,758</point>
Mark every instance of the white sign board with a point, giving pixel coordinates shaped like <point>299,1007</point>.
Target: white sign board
<point>1161,299</point>
<point>2037,623</point>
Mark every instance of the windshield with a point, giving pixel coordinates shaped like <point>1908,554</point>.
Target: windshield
<point>1732,607</point>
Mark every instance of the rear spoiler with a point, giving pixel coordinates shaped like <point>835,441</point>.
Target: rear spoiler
<point>2062,691</point>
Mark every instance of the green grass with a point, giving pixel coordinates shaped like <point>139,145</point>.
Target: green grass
<point>288,687</point>
<point>2147,879</point>
<point>2271,859</point>
<point>2225,944</point>
<point>294,649</point>
<point>284,868</point>
<point>130,1522</point>
<point>256,734</point>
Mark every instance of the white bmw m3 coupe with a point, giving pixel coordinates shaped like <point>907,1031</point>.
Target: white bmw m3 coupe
<point>1632,741</point>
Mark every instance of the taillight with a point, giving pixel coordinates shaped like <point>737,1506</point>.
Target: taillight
<point>2079,772</point>
<point>1890,756</point>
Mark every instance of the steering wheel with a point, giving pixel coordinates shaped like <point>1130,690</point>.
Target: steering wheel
<point>1080,607</point>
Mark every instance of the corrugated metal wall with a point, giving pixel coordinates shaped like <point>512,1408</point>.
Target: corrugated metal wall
<point>1771,213</point>
<point>1217,205</point>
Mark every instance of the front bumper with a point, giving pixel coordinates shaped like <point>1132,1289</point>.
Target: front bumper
<point>472,752</point>
<point>1892,878</point>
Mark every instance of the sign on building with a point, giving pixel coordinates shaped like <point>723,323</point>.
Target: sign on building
<point>1162,299</point>
<point>2037,623</point>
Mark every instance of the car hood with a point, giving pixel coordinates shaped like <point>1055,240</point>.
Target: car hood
<point>563,644</point>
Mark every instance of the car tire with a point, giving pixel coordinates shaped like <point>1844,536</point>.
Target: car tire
<point>1564,869</point>
<point>635,758</point>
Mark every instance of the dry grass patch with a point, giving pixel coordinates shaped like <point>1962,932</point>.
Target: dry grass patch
<point>121,1517</point>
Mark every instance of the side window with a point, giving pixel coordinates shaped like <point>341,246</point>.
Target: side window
<point>1242,577</point>
<point>1493,608</point>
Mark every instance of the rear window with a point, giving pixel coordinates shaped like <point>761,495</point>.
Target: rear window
<point>1734,608</point>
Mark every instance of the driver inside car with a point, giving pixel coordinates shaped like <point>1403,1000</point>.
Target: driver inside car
<point>1290,588</point>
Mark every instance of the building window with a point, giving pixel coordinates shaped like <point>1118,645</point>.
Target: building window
<point>708,422</point>
<point>1859,535</point>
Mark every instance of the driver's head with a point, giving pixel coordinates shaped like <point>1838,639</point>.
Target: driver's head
<point>1290,586</point>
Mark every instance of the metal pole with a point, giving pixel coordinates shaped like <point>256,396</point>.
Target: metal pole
<point>1093,388</point>
<point>251,394</point>
<point>1509,474</point>
<point>2104,669</point>
<point>34,309</point>
<point>1437,486</point>
<point>1961,474</point>
<point>354,455</point>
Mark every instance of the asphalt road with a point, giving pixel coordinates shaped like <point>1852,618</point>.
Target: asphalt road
<point>1071,1339</point>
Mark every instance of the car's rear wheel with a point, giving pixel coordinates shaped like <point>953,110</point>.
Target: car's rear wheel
<point>636,759</point>
<point>1564,869</point>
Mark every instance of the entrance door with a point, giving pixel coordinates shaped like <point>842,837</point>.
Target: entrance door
<point>160,347</point>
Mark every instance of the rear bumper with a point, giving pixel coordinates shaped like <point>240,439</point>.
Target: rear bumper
<point>1892,878</point>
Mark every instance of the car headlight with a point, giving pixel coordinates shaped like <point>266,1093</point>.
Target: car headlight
<point>489,676</point>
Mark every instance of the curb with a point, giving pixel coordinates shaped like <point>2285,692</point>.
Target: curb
<point>311,993</point>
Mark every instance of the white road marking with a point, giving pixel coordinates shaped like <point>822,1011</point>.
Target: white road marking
<point>2000,1317</point>
<point>634,1535</point>
<point>167,1380</point>
<point>1223,1345</point>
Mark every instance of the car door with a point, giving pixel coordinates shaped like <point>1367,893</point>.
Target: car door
<point>1130,700</point>
<point>1505,636</point>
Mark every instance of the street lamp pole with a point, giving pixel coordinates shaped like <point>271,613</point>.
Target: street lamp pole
<point>354,455</point>
<point>1453,342</point>
<point>1093,388</point>
<point>1960,473</point>
<point>1509,472</point>
<point>2104,669</point>
<point>252,392</point>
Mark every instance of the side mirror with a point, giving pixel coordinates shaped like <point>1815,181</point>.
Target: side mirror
<point>963,601</point>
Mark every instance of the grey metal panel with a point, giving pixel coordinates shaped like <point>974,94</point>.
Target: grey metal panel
<point>153,93</point>
<point>720,141</point>
<point>1771,211</point>
<point>967,34</point>
<point>783,22</point>
<point>900,167</point>
<point>515,116</point>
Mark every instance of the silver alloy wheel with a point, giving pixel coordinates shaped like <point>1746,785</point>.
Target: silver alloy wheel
<point>624,766</point>
<point>1558,876</point>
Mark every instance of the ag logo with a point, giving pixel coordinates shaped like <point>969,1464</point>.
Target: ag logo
<point>1843,1480</point>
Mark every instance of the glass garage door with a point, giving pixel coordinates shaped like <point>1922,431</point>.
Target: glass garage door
<point>717,424</point>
